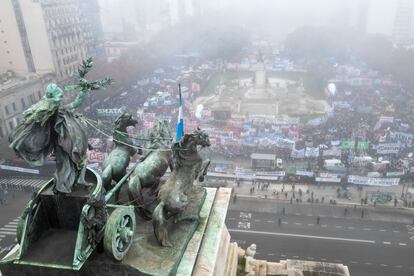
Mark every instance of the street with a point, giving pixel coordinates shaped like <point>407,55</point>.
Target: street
<point>367,247</point>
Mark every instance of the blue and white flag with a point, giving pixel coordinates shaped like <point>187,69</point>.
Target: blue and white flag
<point>180,123</point>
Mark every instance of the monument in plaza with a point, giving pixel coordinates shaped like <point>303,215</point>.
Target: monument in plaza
<point>73,225</point>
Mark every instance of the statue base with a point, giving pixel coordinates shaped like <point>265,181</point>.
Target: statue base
<point>196,249</point>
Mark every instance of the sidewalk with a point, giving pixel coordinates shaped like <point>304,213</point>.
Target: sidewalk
<point>321,194</point>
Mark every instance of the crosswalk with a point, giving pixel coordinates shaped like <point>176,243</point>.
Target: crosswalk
<point>10,229</point>
<point>22,181</point>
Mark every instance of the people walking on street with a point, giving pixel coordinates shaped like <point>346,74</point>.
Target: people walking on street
<point>279,221</point>
<point>318,220</point>
<point>346,211</point>
<point>284,211</point>
<point>362,214</point>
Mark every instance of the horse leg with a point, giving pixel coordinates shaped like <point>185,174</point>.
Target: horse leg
<point>204,169</point>
<point>134,188</point>
<point>159,224</point>
<point>107,178</point>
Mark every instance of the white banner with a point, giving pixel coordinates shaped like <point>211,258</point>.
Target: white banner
<point>312,152</point>
<point>373,181</point>
<point>304,173</point>
<point>328,179</point>
<point>298,154</point>
<point>323,174</point>
<point>332,152</point>
<point>401,136</point>
<point>388,148</point>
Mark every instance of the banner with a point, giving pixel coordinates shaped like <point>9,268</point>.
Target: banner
<point>108,112</point>
<point>373,181</point>
<point>349,144</point>
<point>304,173</point>
<point>96,156</point>
<point>298,154</point>
<point>332,152</point>
<point>312,152</point>
<point>388,148</point>
<point>401,136</point>
<point>395,173</point>
<point>328,179</point>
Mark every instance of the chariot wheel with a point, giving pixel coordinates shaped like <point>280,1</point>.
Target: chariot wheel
<point>119,232</point>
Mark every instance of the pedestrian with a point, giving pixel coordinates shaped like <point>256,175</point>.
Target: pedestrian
<point>279,221</point>
<point>345,211</point>
<point>318,220</point>
<point>284,211</point>
<point>375,202</point>
<point>362,214</point>
<point>291,200</point>
<point>362,201</point>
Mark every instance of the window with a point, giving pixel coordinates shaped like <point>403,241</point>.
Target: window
<point>11,125</point>
<point>32,98</point>
<point>6,108</point>
<point>39,94</point>
<point>23,103</point>
<point>14,106</point>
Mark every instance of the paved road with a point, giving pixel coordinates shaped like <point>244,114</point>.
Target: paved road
<point>9,219</point>
<point>367,247</point>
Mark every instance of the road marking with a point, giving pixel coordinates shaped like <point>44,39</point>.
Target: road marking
<point>7,233</point>
<point>311,224</point>
<point>367,229</point>
<point>324,225</point>
<point>298,214</point>
<point>398,266</point>
<point>298,223</point>
<point>285,222</point>
<point>16,219</point>
<point>412,238</point>
<point>271,254</point>
<point>338,226</point>
<point>383,230</point>
<point>386,242</point>
<point>301,236</point>
<point>257,220</point>
<point>335,217</point>
<point>310,258</point>
<point>410,228</point>
<point>368,263</point>
<point>309,215</point>
<point>2,236</point>
<point>296,257</point>
<point>383,265</point>
<point>11,226</point>
<point>13,222</point>
<point>323,259</point>
<point>232,219</point>
<point>403,244</point>
<point>283,255</point>
<point>351,227</point>
<point>411,267</point>
<point>353,262</point>
<point>271,221</point>
<point>396,231</point>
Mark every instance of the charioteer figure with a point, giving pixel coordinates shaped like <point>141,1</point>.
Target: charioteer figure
<point>49,126</point>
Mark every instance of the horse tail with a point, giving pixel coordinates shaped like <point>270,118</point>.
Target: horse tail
<point>107,178</point>
<point>159,224</point>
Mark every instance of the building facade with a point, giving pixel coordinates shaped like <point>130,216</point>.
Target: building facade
<point>403,22</point>
<point>46,36</point>
<point>18,93</point>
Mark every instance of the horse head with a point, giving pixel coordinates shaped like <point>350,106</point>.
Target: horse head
<point>124,120</point>
<point>197,138</point>
<point>160,134</point>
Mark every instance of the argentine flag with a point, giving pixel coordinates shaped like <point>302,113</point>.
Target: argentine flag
<point>180,123</point>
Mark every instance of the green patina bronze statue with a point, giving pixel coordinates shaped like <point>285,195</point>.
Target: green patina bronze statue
<point>116,164</point>
<point>51,127</point>
<point>174,194</point>
<point>144,184</point>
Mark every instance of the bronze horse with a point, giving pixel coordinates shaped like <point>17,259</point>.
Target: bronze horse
<point>144,184</point>
<point>115,165</point>
<point>173,194</point>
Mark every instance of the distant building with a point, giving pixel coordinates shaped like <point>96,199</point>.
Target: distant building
<point>17,93</point>
<point>46,35</point>
<point>114,50</point>
<point>403,22</point>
